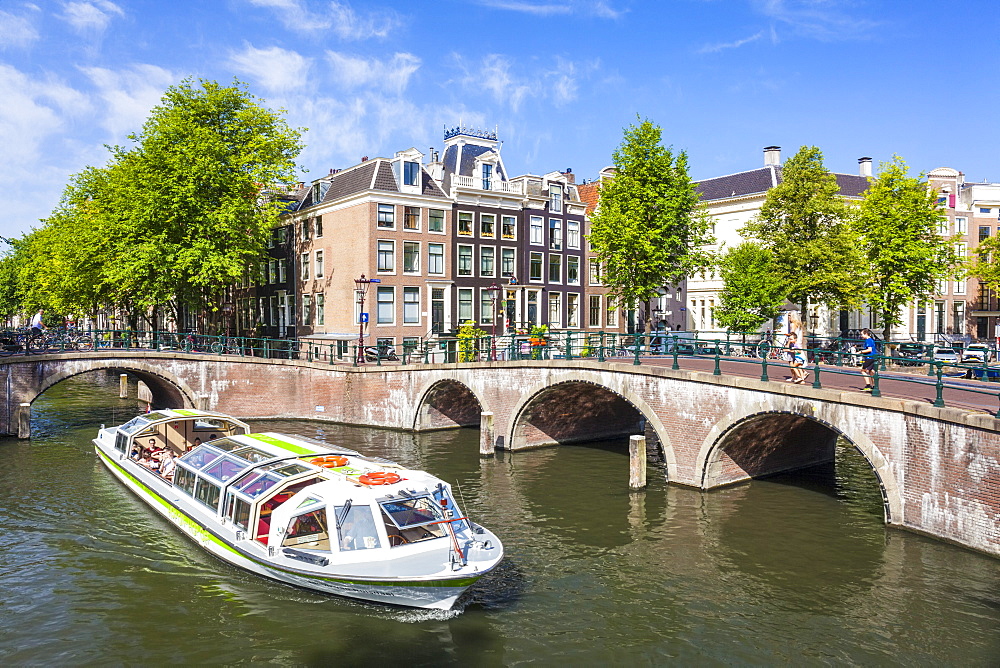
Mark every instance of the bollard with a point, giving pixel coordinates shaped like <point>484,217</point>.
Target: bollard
<point>123,386</point>
<point>487,440</point>
<point>763,369</point>
<point>636,462</point>
<point>24,421</point>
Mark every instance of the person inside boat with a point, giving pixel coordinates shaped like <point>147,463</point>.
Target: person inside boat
<point>167,464</point>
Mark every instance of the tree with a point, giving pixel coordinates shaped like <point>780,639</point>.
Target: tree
<point>647,231</point>
<point>752,292</point>
<point>905,255</point>
<point>985,265</point>
<point>804,223</point>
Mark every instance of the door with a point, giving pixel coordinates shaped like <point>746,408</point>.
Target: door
<point>437,310</point>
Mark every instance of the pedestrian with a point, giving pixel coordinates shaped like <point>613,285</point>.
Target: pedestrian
<point>870,353</point>
<point>796,359</point>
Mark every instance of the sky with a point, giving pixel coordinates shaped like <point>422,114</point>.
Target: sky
<point>558,80</point>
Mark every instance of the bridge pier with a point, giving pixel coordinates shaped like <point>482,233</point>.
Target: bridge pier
<point>24,421</point>
<point>487,435</point>
<point>636,462</point>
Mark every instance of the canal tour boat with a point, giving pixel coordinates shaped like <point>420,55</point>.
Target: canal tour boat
<point>300,511</point>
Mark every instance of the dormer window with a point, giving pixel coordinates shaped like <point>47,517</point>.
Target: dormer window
<point>555,199</point>
<point>487,177</point>
<point>317,193</point>
<point>411,174</point>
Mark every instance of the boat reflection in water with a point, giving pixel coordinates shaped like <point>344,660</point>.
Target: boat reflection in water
<point>301,511</point>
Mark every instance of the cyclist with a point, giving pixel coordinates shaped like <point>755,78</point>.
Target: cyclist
<point>37,327</point>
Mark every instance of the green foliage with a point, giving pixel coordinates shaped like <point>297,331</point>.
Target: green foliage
<point>804,223</point>
<point>176,218</point>
<point>986,264</point>
<point>905,255</point>
<point>469,337</point>
<point>11,287</point>
<point>752,291</point>
<point>647,231</point>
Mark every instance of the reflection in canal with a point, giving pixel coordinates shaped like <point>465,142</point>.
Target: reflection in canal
<point>796,569</point>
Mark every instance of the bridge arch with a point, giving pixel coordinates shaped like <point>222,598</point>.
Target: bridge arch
<point>744,446</point>
<point>169,391</point>
<point>585,409</point>
<point>447,403</point>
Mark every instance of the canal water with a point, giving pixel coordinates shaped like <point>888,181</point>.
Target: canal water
<point>793,570</point>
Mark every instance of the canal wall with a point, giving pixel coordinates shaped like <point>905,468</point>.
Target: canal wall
<point>938,468</point>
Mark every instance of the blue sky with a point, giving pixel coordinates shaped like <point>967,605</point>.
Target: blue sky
<point>559,78</point>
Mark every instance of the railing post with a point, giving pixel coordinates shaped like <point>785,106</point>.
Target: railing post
<point>728,349</point>
<point>930,362</point>
<point>875,376</point>
<point>600,350</point>
<point>717,371</point>
<point>816,384</point>
<point>763,369</point>
<point>354,356</point>
<point>675,365</point>
<point>939,386</point>
<point>638,342</point>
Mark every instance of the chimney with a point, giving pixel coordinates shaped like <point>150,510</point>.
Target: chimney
<point>865,166</point>
<point>772,156</point>
<point>570,176</point>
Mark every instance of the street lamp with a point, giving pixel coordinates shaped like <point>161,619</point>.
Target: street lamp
<point>494,291</point>
<point>361,287</point>
<point>227,310</point>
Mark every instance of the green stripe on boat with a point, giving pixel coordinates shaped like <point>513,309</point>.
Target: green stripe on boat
<point>284,445</point>
<point>186,413</point>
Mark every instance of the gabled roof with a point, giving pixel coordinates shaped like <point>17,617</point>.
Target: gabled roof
<point>373,174</point>
<point>589,194</point>
<point>759,181</point>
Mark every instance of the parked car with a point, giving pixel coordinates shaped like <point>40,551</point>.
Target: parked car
<point>977,352</point>
<point>910,354</point>
<point>946,355</point>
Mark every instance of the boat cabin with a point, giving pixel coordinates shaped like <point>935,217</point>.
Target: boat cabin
<point>177,430</point>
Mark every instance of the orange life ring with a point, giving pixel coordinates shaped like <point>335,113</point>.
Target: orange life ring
<point>330,461</point>
<point>379,478</point>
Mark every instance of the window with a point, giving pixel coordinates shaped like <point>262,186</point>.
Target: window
<point>465,304</point>
<point>532,307</point>
<point>984,209</point>
<point>273,308</point>
<point>487,177</point>
<point>435,258</point>
<point>959,288</point>
<point>572,310</point>
<point>305,266</point>
<point>958,317</point>
<point>555,198</point>
<point>411,305</point>
<point>411,257</point>
<point>465,260</point>
<point>535,267</point>
<point>508,227</point>
<point>356,528</point>
<point>318,222</point>
<point>411,218</point>
<point>961,226</point>
<point>386,251</point>
<point>535,232</point>
<point>320,312</point>
<point>306,309</point>
<point>555,309</point>
<point>305,229</point>
<point>282,235</point>
<point>487,263</point>
<point>555,268</point>
<point>944,227</point>
<point>487,225</point>
<point>319,264</point>
<point>595,311</point>
<point>486,307</point>
<point>572,234</point>
<point>507,262</point>
<point>984,232</point>
<point>573,269</point>
<point>411,174</point>
<point>435,220</point>
<point>465,223</point>
<point>386,215</point>
<point>961,250</point>
<point>386,306</point>
<point>939,317</point>
<point>272,271</point>
<point>612,314</point>
<point>282,270</point>
<point>555,234</point>
<point>595,271</point>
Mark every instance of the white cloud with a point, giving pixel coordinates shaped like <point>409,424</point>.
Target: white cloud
<point>820,19</point>
<point>128,96</point>
<point>391,75</point>
<point>715,48</point>
<point>93,16</point>
<point>275,69</point>
<point>336,16</point>
<point>498,75</point>
<point>599,8</point>
<point>16,31</point>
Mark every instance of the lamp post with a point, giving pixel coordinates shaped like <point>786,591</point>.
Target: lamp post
<point>361,288</point>
<point>227,310</point>
<point>494,291</point>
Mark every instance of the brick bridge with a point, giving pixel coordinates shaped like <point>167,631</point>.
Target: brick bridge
<point>938,468</point>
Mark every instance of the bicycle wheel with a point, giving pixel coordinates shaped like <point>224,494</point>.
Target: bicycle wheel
<point>217,347</point>
<point>83,343</point>
<point>763,349</point>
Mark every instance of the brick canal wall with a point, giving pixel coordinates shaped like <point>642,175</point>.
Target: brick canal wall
<point>939,468</point>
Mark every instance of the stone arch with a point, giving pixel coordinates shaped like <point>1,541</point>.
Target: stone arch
<point>447,403</point>
<point>718,467</point>
<point>520,434</point>
<point>169,391</point>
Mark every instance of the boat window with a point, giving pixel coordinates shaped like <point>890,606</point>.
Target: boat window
<point>134,425</point>
<point>308,531</point>
<point>292,469</point>
<point>412,512</point>
<point>184,480</point>
<point>226,468</point>
<point>207,493</point>
<point>257,484</point>
<point>308,501</point>
<point>251,454</point>
<point>226,444</point>
<point>201,456</point>
<point>153,417</point>
<point>356,528</point>
<point>238,511</point>
<point>121,442</point>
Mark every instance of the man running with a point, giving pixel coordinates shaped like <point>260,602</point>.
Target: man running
<point>870,352</point>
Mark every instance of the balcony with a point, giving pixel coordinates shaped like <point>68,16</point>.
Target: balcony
<point>495,185</point>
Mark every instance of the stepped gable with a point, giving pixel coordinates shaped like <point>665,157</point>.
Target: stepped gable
<point>351,181</point>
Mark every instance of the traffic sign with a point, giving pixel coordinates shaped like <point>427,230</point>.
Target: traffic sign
<point>364,318</point>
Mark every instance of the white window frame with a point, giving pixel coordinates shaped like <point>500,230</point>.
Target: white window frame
<point>557,321</point>
<point>573,234</point>
<point>569,280</point>
<point>482,219</point>
<point>390,290</point>
<point>412,272</point>
<point>411,290</point>
<point>556,234</point>
<point>486,314</point>
<point>961,225</point>
<point>472,304</point>
<point>513,261</point>
<point>493,250</point>
<point>590,306</point>
<point>536,224</point>
<point>444,219</point>
<point>569,316</point>
<point>304,266</point>
<point>472,260</point>
<point>555,198</point>
<point>319,264</point>
<point>306,310</point>
<point>430,265</point>
<point>548,268</point>
<point>503,219</point>
<point>320,309</point>
<point>379,253</point>
<point>541,260</point>
<point>460,216</point>
<point>386,216</point>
